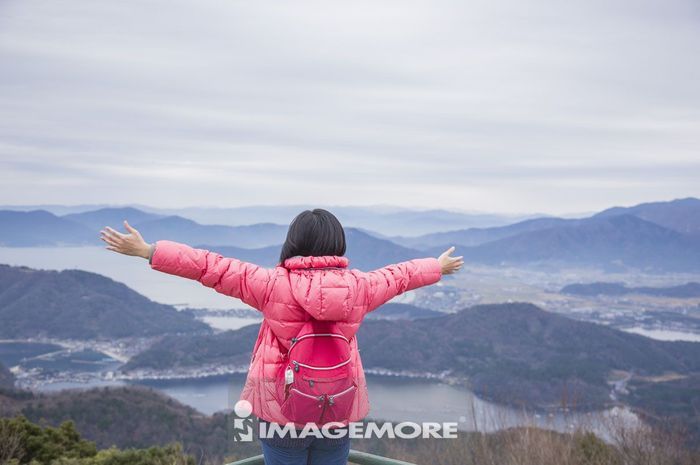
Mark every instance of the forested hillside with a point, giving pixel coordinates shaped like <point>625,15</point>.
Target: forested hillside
<point>81,305</point>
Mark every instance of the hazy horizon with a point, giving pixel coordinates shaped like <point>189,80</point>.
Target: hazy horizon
<point>388,207</point>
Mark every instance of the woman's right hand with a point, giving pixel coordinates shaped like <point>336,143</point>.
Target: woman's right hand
<point>449,265</point>
<point>127,244</point>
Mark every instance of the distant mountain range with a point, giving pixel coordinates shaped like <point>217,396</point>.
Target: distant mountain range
<point>41,228</point>
<point>74,304</point>
<point>181,229</point>
<point>477,236</point>
<point>98,219</point>
<point>684,291</point>
<point>387,220</point>
<point>366,252</point>
<point>612,242</point>
<point>681,215</point>
<point>656,237</point>
<point>510,353</point>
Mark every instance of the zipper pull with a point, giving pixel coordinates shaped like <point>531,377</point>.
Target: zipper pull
<point>330,400</point>
<point>288,375</point>
<point>322,398</point>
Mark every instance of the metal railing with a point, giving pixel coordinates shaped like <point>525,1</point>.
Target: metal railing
<point>357,457</point>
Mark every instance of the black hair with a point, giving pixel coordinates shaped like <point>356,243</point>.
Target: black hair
<point>314,233</point>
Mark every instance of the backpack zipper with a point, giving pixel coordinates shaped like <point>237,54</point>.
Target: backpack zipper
<point>332,397</point>
<point>319,398</point>
<point>298,364</point>
<point>323,409</point>
<point>297,339</point>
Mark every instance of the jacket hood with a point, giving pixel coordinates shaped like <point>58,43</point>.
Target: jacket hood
<point>326,261</point>
<point>322,286</point>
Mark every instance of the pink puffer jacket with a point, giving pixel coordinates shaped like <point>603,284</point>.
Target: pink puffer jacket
<point>289,295</point>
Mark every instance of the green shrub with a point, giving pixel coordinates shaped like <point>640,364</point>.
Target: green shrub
<point>25,443</point>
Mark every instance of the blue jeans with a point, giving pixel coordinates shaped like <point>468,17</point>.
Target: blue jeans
<point>321,451</point>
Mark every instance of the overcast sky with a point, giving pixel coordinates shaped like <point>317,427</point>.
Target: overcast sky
<point>504,106</point>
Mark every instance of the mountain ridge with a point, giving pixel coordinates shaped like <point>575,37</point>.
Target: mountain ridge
<point>98,219</point>
<point>682,215</point>
<point>614,241</point>
<point>76,304</point>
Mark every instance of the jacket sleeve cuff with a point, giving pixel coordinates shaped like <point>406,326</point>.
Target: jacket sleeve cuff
<point>151,252</point>
<point>433,270</point>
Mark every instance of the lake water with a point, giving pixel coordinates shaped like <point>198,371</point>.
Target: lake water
<point>665,334</point>
<point>225,323</point>
<point>12,353</point>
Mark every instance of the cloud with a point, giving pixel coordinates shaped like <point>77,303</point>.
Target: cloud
<point>503,106</point>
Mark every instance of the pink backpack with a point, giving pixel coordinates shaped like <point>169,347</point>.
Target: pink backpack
<point>315,384</point>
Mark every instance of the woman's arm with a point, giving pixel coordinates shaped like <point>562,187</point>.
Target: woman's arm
<point>229,276</point>
<point>386,283</point>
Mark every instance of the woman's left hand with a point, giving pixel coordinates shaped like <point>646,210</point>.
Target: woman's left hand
<point>448,264</point>
<point>127,244</point>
